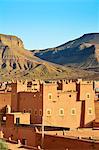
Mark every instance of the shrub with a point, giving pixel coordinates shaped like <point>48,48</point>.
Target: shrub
<point>3,145</point>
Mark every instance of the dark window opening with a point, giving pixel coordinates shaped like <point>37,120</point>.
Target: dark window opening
<point>24,141</point>
<point>17,120</point>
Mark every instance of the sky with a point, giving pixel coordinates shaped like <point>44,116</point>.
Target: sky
<point>48,23</point>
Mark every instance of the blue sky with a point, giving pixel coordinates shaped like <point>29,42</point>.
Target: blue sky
<point>48,23</point>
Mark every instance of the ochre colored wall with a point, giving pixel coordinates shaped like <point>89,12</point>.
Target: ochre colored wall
<point>9,120</point>
<point>97,109</point>
<point>24,118</point>
<point>51,142</point>
<point>19,133</point>
<point>87,88</point>
<point>61,99</point>
<point>69,85</point>
<point>61,143</point>
<point>14,94</point>
<point>5,99</point>
<point>67,99</point>
<point>29,101</point>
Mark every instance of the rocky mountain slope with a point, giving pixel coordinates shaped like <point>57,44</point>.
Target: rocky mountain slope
<point>18,63</point>
<point>82,53</point>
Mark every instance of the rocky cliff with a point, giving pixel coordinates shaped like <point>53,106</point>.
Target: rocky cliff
<point>11,41</point>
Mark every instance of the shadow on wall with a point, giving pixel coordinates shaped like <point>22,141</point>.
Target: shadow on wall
<point>3,110</point>
<point>82,120</point>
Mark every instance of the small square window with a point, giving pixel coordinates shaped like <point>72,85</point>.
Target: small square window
<point>40,112</point>
<point>48,112</point>
<point>50,96</point>
<point>73,111</point>
<point>88,96</point>
<point>17,120</point>
<point>90,111</point>
<point>30,111</point>
<point>35,112</point>
<point>61,112</point>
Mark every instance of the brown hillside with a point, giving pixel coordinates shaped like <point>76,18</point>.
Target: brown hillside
<point>18,63</point>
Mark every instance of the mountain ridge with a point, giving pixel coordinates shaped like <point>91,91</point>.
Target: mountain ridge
<point>18,63</point>
<point>82,52</point>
